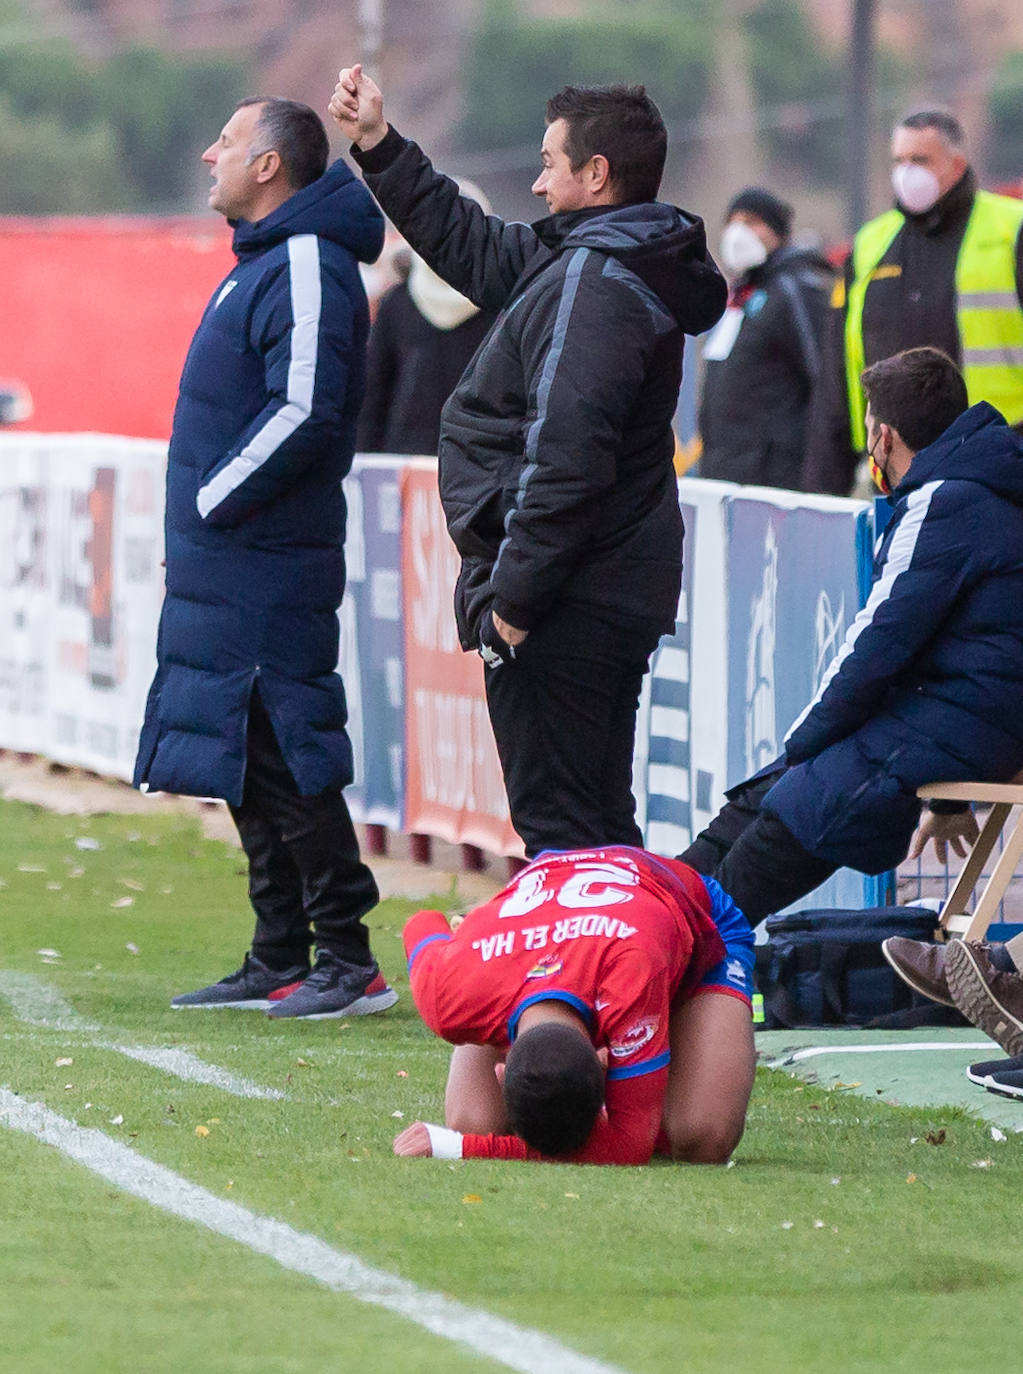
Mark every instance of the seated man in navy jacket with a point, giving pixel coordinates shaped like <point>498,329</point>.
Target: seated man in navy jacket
<point>926,684</point>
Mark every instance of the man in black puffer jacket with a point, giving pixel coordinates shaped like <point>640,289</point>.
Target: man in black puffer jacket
<point>555,455</point>
<point>762,359</point>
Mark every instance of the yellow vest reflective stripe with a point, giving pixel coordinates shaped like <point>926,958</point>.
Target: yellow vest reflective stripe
<point>988,310</point>
<point>988,314</point>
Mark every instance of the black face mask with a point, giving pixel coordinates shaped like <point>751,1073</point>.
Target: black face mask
<point>878,474</point>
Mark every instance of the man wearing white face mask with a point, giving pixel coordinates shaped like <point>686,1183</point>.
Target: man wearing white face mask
<point>762,358</point>
<point>944,268</point>
<point>423,336</point>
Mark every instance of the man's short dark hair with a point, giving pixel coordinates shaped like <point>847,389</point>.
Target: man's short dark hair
<point>944,121</point>
<point>620,123</point>
<point>919,392</point>
<point>295,133</point>
<point>553,1088</point>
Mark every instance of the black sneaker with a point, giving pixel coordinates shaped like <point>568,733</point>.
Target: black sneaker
<point>334,988</point>
<point>981,1073</point>
<point>1007,1083</point>
<point>249,987</point>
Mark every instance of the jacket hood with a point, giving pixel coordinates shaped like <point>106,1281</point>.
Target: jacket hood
<point>664,246</point>
<point>337,206</point>
<point>978,447</point>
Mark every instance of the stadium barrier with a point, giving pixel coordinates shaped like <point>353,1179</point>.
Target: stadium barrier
<point>772,580</point>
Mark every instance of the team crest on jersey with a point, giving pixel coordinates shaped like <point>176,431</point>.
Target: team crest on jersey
<point>635,1038</point>
<point>546,967</point>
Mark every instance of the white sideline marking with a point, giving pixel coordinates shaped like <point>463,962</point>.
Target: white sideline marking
<point>39,1004</point>
<point>876,1049</point>
<point>516,1347</point>
<point>183,1064</point>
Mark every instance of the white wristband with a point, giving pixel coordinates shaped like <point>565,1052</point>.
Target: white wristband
<point>445,1143</point>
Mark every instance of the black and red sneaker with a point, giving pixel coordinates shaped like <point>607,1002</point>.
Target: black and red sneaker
<point>333,988</point>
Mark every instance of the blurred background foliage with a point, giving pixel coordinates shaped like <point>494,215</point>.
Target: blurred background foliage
<point>112,116</point>
<point>515,63</point>
<point>81,135</point>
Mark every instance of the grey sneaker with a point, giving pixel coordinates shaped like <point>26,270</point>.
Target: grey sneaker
<point>988,998</point>
<point>921,965</point>
<point>249,987</point>
<point>335,988</point>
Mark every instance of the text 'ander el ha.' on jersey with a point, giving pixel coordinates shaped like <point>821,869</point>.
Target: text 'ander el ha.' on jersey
<point>617,934</point>
<point>264,433</point>
<point>556,446</point>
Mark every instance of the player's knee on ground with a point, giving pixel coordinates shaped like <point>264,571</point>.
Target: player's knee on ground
<point>553,1088</point>
<point>693,1140</point>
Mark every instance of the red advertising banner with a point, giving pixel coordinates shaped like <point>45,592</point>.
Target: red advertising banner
<point>454,787</point>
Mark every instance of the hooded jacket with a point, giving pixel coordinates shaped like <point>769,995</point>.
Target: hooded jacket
<point>555,456</point>
<point>928,685</point>
<point>756,394</point>
<point>264,432</point>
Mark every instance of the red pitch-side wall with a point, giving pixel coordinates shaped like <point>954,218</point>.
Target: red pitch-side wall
<point>96,315</point>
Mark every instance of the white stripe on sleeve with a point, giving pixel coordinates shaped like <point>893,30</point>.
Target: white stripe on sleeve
<point>900,556</point>
<point>304,264</point>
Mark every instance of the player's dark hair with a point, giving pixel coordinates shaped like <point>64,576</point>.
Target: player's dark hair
<point>919,392</point>
<point>295,133</point>
<point>553,1088</point>
<point>620,123</point>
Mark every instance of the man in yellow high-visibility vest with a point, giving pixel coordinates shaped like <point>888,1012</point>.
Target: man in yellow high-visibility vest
<point>944,268</point>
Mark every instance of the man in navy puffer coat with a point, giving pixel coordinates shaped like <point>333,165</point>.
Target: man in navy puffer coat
<point>246,703</point>
<point>928,684</point>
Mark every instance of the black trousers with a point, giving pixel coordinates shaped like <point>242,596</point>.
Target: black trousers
<point>307,881</point>
<point>564,718</point>
<point>755,858</point>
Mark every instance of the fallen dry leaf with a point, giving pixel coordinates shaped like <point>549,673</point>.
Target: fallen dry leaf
<point>202,1130</point>
<point>472,1197</point>
<point>303,1063</point>
<point>936,1137</point>
<point>911,1178</point>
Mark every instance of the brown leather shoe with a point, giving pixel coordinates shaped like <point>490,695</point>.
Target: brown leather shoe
<point>921,965</point>
<point>988,998</point>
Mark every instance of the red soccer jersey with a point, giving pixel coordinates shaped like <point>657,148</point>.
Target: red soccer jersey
<point>617,934</point>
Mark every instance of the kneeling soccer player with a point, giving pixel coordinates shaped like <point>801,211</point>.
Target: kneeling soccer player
<point>600,1008</point>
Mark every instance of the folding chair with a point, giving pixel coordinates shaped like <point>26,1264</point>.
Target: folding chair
<point>954,919</point>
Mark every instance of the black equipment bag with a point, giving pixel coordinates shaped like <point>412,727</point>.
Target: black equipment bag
<point>825,968</point>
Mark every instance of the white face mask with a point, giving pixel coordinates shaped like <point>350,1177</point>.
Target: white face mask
<point>741,249</point>
<point>916,188</point>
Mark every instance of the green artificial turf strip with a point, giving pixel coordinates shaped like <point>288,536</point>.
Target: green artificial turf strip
<point>657,1269</point>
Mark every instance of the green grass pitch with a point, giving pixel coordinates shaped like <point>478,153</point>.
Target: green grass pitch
<point>832,1243</point>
